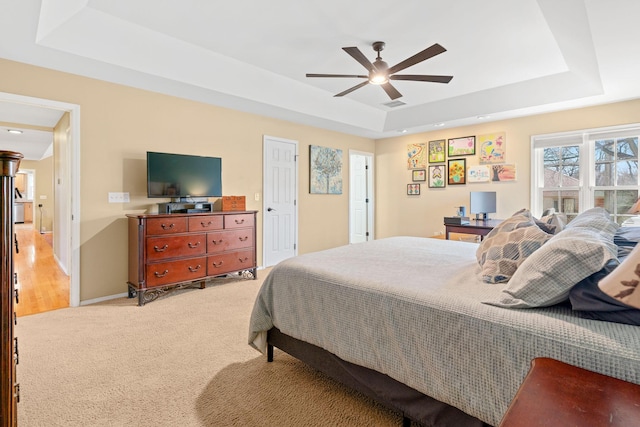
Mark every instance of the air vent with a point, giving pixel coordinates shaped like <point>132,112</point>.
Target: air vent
<point>394,104</point>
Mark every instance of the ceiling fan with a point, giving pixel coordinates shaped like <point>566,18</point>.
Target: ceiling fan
<point>380,73</point>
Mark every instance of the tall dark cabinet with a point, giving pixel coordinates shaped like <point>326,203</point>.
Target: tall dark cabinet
<point>9,389</point>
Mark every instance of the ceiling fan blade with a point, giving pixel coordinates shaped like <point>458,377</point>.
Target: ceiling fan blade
<point>391,91</point>
<point>429,52</point>
<point>359,56</point>
<point>352,89</point>
<point>422,78</point>
<point>339,75</point>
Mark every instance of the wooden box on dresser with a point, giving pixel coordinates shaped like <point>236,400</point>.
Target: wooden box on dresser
<point>173,251</point>
<point>9,388</point>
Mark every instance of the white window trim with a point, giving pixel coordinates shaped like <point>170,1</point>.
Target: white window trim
<point>585,138</point>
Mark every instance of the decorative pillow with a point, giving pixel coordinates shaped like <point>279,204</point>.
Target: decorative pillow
<point>508,245</point>
<point>589,301</point>
<point>555,221</point>
<point>622,283</point>
<point>578,251</point>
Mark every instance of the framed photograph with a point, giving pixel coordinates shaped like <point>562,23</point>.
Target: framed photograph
<point>419,175</point>
<point>457,171</point>
<point>437,176</point>
<point>436,151</point>
<point>413,189</point>
<point>464,146</point>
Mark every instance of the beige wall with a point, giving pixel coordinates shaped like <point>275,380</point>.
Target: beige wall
<point>399,214</point>
<point>119,124</point>
<point>43,187</point>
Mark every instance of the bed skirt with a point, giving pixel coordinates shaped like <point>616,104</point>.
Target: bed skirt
<point>390,393</point>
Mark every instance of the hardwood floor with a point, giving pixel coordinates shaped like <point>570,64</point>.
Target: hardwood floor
<point>42,285</point>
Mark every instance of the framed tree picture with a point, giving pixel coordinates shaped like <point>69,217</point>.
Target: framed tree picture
<point>464,146</point>
<point>325,170</point>
<point>457,171</point>
<point>437,174</point>
<point>437,151</point>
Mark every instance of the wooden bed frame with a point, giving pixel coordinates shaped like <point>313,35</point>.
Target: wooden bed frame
<point>412,404</point>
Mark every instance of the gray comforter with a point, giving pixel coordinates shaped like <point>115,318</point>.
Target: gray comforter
<point>412,308</point>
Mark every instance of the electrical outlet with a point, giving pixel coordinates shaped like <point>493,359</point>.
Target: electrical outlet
<point>118,197</point>
<point>256,196</point>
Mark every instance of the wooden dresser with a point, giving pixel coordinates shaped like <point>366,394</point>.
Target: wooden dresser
<point>9,388</point>
<point>173,251</point>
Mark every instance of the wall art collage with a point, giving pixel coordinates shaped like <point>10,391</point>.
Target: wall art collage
<point>443,162</point>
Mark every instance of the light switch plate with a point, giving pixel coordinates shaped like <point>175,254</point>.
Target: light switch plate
<point>118,197</point>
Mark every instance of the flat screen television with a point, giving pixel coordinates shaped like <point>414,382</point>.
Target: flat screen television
<point>482,203</point>
<point>183,177</point>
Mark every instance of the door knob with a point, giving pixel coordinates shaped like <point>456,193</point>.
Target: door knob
<point>270,209</point>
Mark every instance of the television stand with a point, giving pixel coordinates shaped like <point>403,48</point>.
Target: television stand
<point>183,207</point>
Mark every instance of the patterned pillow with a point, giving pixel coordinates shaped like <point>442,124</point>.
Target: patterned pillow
<point>508,245</point>
<point>546,277</point>
<point>622,284</point>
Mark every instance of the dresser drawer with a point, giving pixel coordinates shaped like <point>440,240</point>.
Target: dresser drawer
<point>166,225</point>
<point>238,221</point>
<point>206,223</point>
<point>189,245</point>
<point>229,240</point>
<point>229,261</point>
<point>176,271</point>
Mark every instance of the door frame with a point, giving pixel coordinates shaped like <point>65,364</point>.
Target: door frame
<point>370,193</point>
<point>69,168</point>
<point>265,139</point>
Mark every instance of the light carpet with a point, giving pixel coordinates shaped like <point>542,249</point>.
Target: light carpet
<point>182,360</point>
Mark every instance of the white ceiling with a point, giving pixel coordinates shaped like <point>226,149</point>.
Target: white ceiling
<point>508,58</point>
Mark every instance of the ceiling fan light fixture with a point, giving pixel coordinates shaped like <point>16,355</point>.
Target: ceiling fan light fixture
<point>378,79</point>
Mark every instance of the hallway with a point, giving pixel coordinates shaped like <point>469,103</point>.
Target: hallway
<point>42,285</point>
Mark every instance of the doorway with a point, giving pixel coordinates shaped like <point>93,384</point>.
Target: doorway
<point>280,194</point>
<point>361,201</point>
<point>67,189</point>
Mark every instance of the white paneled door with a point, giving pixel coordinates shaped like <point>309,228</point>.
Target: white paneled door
<point>280,213</point>
<point>360,197</point>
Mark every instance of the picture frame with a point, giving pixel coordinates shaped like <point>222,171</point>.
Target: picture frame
<point>480,173</point>
<point>418,175</point>
<point>457,171</point>
<point>417,156</point>
<point>463,146</point>
<point>437,176</point>
<point>325,170</point>
<point>437,151</point>
<point>413,189</point>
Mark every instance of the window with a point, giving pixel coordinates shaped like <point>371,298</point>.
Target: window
<point>575,171</point>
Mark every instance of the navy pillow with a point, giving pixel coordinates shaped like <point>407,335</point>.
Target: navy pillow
<point>588,301</point>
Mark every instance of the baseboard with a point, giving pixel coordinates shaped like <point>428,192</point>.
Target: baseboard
<point>102,299</point>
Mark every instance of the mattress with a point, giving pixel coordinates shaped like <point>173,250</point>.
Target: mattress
<point>411,308</point>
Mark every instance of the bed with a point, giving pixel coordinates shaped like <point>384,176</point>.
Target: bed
<point>410,322</point>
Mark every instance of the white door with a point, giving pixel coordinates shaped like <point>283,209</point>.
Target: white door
<point>280,212</point>
<point>360,197</point>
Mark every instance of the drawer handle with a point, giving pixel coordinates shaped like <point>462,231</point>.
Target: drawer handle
<point>167,227</point>
<point>245,259</point>
<point>243,239</point>
<point>164,273</point>
<point>17,296</point>
<point>193,246</point>
<point>217,264</point>
<point>206,224</point>
<point>216,242</point>
<point>240,221</point>
<point>162,249</point>
<point>16,355</point>
<point>194,269</point>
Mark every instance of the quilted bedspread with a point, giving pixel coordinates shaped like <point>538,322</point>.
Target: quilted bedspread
<point>412,308</point>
